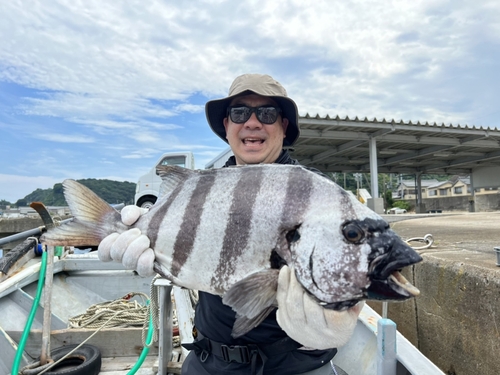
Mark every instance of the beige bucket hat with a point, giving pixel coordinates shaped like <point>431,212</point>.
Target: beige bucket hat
<point>260,84</point>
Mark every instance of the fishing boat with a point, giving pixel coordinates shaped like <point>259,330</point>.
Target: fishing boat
<point>66,284</point>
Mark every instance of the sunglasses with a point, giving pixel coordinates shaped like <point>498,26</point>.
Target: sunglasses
<point>265,114</point>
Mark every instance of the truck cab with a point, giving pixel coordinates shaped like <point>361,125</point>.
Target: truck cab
<point>148,186</point>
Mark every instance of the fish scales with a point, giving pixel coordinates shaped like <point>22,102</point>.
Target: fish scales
<point>191,219</point>
<point>153,224</point>
<point>167,218</point>
<point>239,224</point>
<point>265,224</point>
<point>203,257</point>
<point>332,274</point>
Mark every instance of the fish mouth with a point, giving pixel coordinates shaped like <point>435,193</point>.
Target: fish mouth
<point>386,280</point>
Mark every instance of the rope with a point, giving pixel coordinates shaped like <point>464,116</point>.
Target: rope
<point>36,369</point>
<point>153,309</point>
<point>122,312</point>
<point>155,315</point>
<point>428,240</point>
<point>193,294</point>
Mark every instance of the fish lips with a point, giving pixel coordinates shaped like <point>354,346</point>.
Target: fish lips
<point>386,281</point>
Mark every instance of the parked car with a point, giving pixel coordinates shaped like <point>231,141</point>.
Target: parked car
<point>148,185</point>
<point>397,210</point>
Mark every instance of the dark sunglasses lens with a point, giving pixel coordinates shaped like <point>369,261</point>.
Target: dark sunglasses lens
<point>266,115</point>
<point>240,115</point>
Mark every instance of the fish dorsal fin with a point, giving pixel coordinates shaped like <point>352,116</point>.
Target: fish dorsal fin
<point>172,175</point>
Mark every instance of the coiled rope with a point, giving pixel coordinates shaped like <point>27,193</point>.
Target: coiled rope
<point>123,312</point>
<point>427,240</point>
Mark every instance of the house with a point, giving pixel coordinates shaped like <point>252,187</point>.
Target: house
<point>456,186</point>
<point>407,189</point>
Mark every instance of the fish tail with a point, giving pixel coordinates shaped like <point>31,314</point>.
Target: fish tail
<point>93,219</point>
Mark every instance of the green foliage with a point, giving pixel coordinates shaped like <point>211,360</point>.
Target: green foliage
<point>389,201</point>
<point>113,192</point>
<point>403,204</point>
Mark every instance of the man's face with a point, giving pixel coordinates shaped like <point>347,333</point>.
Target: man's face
<point>254,142</point>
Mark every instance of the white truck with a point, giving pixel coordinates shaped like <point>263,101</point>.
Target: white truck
<point>148,186</point>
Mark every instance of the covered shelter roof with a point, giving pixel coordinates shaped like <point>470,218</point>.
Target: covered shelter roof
<point>345,145</point>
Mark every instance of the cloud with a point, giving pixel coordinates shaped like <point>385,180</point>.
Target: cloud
<point>64,138</point>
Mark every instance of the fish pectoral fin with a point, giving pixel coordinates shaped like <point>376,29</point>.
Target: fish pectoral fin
<point>244,324</point>
<point>254,294</point>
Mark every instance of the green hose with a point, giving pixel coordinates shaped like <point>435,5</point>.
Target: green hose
<point>145,350</point>
<point>34,307</point>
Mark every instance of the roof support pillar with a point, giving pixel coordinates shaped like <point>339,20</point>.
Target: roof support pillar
<point>472,199</point>
<point>420,207</point>
<point>373,167</point>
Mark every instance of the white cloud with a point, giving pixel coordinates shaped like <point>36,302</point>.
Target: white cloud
<point>64,138</point>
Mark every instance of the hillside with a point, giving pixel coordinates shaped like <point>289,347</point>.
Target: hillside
<point>111,191</point>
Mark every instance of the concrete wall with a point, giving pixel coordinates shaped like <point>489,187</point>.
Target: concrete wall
<point>487,203</point>
<point>483,203</point>
<point>11,226</point>
<point>455,321</point>
<point>18,225</point>
<point>486,177</point>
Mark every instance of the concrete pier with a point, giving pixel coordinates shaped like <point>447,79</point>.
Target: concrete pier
<point>455,321</point>
<point>10,226</point>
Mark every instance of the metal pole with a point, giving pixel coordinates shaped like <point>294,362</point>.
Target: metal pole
<point>165,329</point>
<point>373,167</point>
<point>27,233</point>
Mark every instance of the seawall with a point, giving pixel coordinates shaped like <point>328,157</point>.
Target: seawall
<point>455,321</point>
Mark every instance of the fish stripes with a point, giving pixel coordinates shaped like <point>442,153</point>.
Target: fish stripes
<point>190,222</point>
<point>239,223</point>
<point>157,219</point>
<point>299,190</point>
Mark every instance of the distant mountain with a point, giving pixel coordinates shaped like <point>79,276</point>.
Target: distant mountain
<point>111,191</point>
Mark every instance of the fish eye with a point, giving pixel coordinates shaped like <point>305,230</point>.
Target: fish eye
<point>353,233</point>
<point>293,236</point>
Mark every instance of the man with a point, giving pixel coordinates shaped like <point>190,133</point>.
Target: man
<point>257,119</point>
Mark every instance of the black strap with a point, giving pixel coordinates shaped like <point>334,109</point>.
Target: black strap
<point>251,354</point>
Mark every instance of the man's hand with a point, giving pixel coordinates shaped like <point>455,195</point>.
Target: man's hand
<point>131,247</point>
<point>307,322</point>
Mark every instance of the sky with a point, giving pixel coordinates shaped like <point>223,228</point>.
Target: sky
<point>101,89</point>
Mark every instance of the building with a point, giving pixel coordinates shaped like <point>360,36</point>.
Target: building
<point>457,186</point>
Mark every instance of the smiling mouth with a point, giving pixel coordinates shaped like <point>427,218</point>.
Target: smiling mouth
<point>252,141</point>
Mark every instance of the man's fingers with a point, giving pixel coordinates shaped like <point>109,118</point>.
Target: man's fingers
<point>122,242</point>
<point>104,248</point>
<point>130,214</point>
<point>145,263</point>
<point>134,251</point>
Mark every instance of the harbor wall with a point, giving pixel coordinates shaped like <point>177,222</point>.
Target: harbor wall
<point>455,322</point>
<point>10,226</point>
<point>481,203</point>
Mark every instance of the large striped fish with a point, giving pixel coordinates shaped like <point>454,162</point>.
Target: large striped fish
<point>228,231</point>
